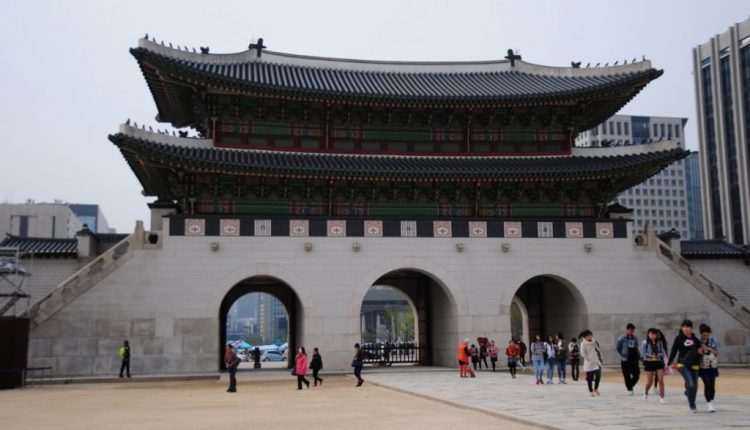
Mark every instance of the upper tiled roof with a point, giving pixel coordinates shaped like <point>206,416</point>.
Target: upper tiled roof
<point>491,81</point>
<point>713,248</point>
<point>42,246</point>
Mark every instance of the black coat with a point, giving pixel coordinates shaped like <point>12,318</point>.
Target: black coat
<point>317,362</point>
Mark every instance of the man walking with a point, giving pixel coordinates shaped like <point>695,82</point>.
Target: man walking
<point>125,357</point>
<point>627,347</point>
<point>231,360</point>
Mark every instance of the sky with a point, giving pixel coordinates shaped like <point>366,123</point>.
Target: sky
<point>67,79</point>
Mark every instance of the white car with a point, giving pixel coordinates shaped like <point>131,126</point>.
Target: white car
<point>272,356</point>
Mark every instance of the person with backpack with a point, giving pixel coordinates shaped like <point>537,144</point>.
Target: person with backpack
<point>709,367</point>
<point>561,358</point>
<point>652,354</point>
<point>592,361</point>
<point>575,359</point>
<point>124,353</point>
<point>316,364</point>
<point>687,349</point>
<point>231,361</point>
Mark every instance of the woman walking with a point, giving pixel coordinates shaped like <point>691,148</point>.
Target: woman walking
<point>709,368</point>
<point>592,361</point>
<point>561,357</point>
<point>357,363</point>
<point>493,351</point>
<point>652,354</point>
<point>538,350</point>
<point>483,354</point>
<point>687,349</point>
<point>474,357</point>
<point>513,352</point>
<point>575,359</point>
<point>316,364</point>
<point>300,369</point>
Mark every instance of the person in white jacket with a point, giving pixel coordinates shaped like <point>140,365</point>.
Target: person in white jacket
<point>592,361</point>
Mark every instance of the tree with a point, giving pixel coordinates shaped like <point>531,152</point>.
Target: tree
<point>399,322</point>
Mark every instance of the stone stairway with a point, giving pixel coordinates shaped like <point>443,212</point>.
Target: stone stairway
<point>85,279</point>
<point>738,310</point>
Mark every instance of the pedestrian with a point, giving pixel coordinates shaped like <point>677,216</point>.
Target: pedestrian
<point>627,348</point>
<point>575,360</point>
<point>561,358</point>
<point>231,361</point>
<point>538,350</point>
<point>592,361</point>
<point>709,367</point>
<point>512,352</point>
<point>483,354</point>
<point>357,363</point>
<point>652,354</point>
<point>523,351</point>
<point>475,357</point>
<point>551,351</point>
<point>463,355</point>
<point>124,353</point>
<point>493,352</point>
<point>687,349</point>
<point>300,368</point>
<point>316,365</point>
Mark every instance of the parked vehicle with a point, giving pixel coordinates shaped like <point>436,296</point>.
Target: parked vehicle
<point>272,356</point>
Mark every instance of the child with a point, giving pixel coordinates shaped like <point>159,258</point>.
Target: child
<point>709,367</point>
<point>512,351</point>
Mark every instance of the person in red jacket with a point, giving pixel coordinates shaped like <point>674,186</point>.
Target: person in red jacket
<point>513,351</point>
<point>300,368</point>
<point>464,355</point>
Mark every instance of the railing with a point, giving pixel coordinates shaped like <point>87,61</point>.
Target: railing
<point>389,354</point>
<point>704,284</point>
<point>81,281</point>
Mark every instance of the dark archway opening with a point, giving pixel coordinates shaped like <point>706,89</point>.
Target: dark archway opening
<point>552,305</point>
<point>280,291</point>
<point>435,323</point>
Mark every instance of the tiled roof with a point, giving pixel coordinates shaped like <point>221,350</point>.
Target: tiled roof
<point>713,248</point>
<point>42,246</point>
<point>479,81</point>
<point>391,166</point>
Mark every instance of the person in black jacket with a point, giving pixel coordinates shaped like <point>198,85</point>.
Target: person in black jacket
<point>316,364</point>
<point>687,347</point>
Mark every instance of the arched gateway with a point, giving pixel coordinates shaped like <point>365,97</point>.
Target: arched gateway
<point>549,304</point>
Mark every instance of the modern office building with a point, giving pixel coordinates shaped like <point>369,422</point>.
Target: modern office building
<point>661,200</point>
<point>694,200</point>
<point>721,68</point>
<point>40,220</point>
<point>92,216</point>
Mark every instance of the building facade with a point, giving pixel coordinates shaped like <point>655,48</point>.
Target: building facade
<point>721,68</point>
<point>314,179</point>
<point>40,220</point>
<point>662,200</point>
<point>92,216</point>
<point>694,197</point>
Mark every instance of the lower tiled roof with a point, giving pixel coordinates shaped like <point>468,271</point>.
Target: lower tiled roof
<point>713,248</point>
<point>43,246</point>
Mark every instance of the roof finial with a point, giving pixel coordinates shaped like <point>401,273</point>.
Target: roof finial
<point>512,57</point>
<point>146,36</point>
<point>204,49</point>
<point>258,46</point>
<point>575,64</point>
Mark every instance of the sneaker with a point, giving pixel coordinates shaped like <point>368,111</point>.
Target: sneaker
<point>549,382</point>
<point>711,407</point>
<point>631,392</point>
<point>645,396</point>
<point>662,400</point>
<point>693,410</point>
<point>563,382</point>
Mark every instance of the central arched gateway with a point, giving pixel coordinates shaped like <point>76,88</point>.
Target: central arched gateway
<point>436,314</point>
<point>548,304</point>
<point>269,285</point>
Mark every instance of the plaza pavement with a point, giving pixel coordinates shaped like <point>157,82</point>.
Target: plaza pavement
<point>568,406</point>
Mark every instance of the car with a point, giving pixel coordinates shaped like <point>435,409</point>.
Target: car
<point>272,356</point>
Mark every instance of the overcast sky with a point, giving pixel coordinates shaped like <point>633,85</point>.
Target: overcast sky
<point>67,79</point>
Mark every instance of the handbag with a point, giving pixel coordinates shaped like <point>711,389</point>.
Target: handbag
<point>356,363</point>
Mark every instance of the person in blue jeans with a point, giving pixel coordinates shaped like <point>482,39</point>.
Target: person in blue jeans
<point>538,349</point>
<point>687,349</point>
<point>551,346</point>
<point>561,358</point>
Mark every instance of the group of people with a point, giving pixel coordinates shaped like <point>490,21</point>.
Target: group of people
<point>300,369</point>
<point>691,356</point>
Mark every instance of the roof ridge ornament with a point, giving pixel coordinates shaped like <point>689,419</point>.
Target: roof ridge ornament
<point>258,46</point>
<point>512,57</point>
